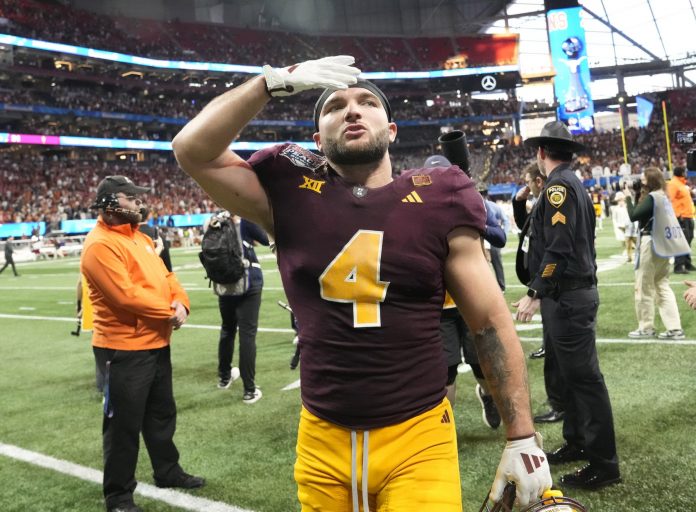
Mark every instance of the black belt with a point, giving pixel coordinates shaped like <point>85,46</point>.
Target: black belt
<point>566,285</point>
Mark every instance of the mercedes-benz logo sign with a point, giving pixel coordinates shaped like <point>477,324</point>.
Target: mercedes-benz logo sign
<point>488,83</point>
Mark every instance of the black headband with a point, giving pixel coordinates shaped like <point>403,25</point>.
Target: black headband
<point>362,84</point>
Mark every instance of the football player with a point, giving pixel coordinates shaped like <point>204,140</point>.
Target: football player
<point>365,258</point>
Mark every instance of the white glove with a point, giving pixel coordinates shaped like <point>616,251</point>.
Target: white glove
<point>330,72</point>
<point>524,463</point>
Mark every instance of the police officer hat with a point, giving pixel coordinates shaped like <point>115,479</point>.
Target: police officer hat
<point>555,136</point>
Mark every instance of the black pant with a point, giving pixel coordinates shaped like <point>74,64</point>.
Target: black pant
<point>569,329</point>
<point>687,226</point>
<point>242,311</point>
<point>9,261</point>
<point>139,398</point>
<point>497,262</point>
<point>552,378</point>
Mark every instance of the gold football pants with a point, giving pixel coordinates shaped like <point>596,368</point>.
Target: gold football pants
<point>411,466</point>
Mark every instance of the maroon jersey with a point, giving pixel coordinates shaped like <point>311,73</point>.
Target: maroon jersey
<point>363,271</point>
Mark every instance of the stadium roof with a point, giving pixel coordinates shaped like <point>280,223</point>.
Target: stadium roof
<point>618,32</point>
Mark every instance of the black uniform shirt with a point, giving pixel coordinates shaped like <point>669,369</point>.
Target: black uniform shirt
<point>562,234</point>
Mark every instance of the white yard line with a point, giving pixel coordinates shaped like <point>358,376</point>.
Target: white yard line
<point>73,319</point>
<point>169,496</point>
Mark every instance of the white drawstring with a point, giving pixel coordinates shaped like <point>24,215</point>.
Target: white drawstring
<point>366,435</point>
<point>354,470</point>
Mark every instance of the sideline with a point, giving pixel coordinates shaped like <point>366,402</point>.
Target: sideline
<point>169,496</point>
<point>185,326</point>
<point>520,327</point>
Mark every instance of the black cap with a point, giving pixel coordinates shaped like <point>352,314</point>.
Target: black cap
<point>361,84</point>
<point>555,136</point>
<point>115,184</point>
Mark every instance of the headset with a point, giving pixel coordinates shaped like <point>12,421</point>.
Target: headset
<point>110,204</point>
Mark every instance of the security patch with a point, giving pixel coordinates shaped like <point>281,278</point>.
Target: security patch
<point>558,217</point>
<point>556,194</point>
<point>301,157</point>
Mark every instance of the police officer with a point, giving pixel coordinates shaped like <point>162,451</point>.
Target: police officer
<point>563,270</point>
<point>535,182</point>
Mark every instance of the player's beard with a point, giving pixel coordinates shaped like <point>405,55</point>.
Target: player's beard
<point>372,151</point>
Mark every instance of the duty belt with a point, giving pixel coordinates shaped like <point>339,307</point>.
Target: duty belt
<point>566,285</point>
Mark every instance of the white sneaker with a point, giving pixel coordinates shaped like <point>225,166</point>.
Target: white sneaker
<point>251,397</point>
<point>226,383</point>
<point>642,334</point>
<point>672,334</point>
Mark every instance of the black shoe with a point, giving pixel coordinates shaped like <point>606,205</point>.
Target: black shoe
<point>549,417</point>
<point>183,481</point>
<point>538,353</point>
<point>591,477</point>
<point>125,507</point>
<point>566,453</point>
<point>681,270</point>
<point>491,416</point>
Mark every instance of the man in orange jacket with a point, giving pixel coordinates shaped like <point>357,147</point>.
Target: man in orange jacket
<point>137,303</point>
<point>680,195</point>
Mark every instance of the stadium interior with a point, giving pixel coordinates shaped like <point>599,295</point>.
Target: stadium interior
<point>91,88</point>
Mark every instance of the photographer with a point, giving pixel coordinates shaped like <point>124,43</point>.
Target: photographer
<point>654,250</point>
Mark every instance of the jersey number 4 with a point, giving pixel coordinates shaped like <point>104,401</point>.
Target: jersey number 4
<point>353,276</point>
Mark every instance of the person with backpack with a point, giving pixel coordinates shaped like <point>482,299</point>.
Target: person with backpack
<point>232,266</point>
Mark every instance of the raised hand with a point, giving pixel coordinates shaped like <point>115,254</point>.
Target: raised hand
<point>335,72</point>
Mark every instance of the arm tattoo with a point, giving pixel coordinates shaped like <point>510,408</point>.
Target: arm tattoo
<point>492,358</point>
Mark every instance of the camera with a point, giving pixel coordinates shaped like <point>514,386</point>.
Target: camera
<point>455,149</point>
<point>687,139</point>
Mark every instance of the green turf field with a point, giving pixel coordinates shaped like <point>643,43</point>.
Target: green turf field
<point>48,404</point>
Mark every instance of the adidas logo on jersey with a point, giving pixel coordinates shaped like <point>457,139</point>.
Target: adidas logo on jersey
<point>413,197</point>
<point>445,418</point>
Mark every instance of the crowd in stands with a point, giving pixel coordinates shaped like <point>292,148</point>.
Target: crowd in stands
<point>186,104</point>
<point>216,43</point>
<point>36,187</point>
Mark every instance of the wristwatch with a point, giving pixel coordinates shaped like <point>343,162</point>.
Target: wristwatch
<point>532,293</point>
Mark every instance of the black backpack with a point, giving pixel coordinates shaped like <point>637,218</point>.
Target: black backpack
<point>221,252</point>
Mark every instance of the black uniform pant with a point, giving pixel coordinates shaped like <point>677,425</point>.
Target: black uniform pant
<point>242,311</point>
<point>138,398</point>
<point>9,261</point>
<point>552,377</point>
<point>569,329</point>
<point>687,226</point>
<point>497,262</point>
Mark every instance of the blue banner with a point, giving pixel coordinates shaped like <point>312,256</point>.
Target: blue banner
<point>645,108</point>
<point>21,229</point>
<point>572,81</point>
